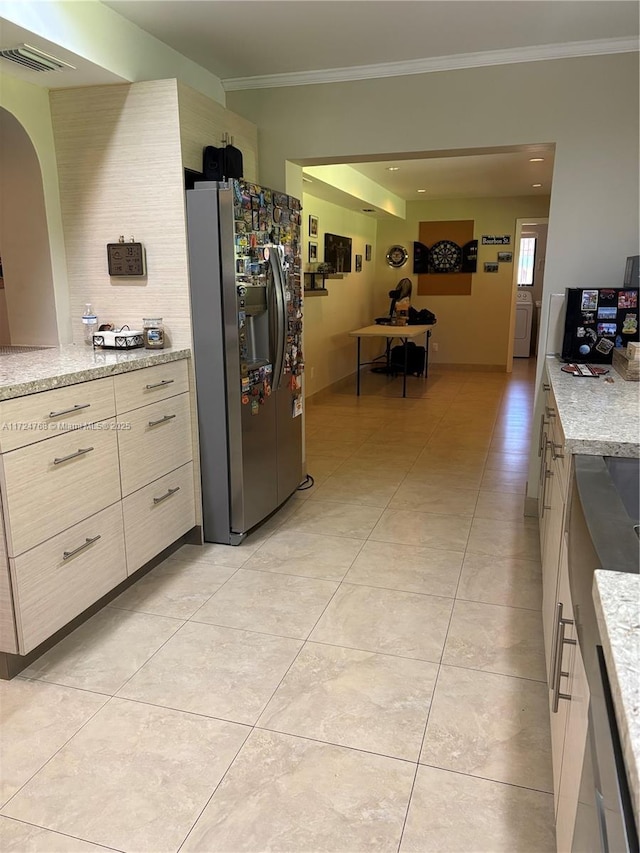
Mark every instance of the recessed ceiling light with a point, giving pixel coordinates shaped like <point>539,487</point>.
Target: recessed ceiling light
<point>422,191</point>
<point>392,168</point>
<point>536,185</point>
<point>536,159</point>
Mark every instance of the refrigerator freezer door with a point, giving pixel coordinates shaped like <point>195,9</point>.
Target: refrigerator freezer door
<point>289,444</point>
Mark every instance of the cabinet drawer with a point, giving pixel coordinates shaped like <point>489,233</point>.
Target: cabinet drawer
<point>141,387</point>
<point>59,579</point>
<point>157,440</point>
<point>26,420</point>
<point>157,515</point>
<point>51,485</point>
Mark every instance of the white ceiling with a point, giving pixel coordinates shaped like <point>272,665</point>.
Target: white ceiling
<point>254,38</point>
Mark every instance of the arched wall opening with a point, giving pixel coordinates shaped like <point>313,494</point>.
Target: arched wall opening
<point>27,300</point>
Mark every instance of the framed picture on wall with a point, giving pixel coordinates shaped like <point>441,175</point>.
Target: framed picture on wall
<point>313,253</point>
<point>491,266</point>
<point>367,252</point>
<point>505,257</point>
<point>313,226</point>
<point>358,263</point>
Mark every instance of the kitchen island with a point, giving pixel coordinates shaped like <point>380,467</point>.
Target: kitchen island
<point>97,453</point>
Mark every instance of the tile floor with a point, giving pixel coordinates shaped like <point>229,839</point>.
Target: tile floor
<point>364,673</point>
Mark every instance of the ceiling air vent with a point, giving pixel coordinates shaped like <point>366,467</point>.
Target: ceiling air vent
<point>34,59</point>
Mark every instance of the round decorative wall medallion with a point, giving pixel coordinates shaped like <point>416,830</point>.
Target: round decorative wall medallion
<point>397,256</point>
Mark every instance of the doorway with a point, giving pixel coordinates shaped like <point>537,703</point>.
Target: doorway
<point>530,246</point>
<point>27,302</point>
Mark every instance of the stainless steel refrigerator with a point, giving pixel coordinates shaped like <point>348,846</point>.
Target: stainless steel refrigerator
<point>246,300</point>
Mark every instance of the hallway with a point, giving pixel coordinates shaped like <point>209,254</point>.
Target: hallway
<point>364,673</point>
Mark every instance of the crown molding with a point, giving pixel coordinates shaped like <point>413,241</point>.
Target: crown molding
<point>455,62</point>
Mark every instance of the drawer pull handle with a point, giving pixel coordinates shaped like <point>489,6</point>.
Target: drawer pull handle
<point>69,411</point>
<point>168,495</point>
<point>558,672</point>
<point>550,412</point>
<point>163,420</point>
<point>546,386</point>
<point>555,448</point>
<point>159,384</point>
<point>67,555</point>
<point>80,452</point>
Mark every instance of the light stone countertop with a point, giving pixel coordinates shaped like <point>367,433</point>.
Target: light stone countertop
<point>616,596</point>
<point>598,418</point>
<point>23,373</point>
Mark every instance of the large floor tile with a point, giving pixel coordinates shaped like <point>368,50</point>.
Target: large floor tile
<point>290,795</point>
<point>174,588</point>
<point>387,621</point>
<point>499,506</point>
<point>446,479</point>
<point>384,468</point>
<point>268,603</point>
<point>218,672</point>
<point>335,519</point>
<point>509,481</point>
<point>36,719</point>
<point>518,539</point>
<point>449,532</point>
<point>307,554</point>
<point>104,652</point>
<point>368,701</point>
<point>357,490</point>
<point>19,837</point>
<point>494,638</point>
<point>134,778</point>
<point>407,567</point>
<point>493,726</point>
<point>424,497</point>
<point>501,580</point>
<point>453,813</point>
<point>232,556</point>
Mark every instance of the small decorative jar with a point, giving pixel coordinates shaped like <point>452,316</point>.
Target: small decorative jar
<point>153,333</point>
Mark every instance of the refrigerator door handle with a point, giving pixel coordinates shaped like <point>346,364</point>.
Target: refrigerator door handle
<point>280,313</point>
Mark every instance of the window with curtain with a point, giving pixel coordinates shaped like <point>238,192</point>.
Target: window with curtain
<point>526,261</point>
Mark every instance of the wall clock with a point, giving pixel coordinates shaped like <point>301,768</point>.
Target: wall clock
<point>445,256</point>
<point>397,256</point>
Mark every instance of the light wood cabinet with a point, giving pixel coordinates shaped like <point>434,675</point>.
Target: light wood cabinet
<point>568,688</point>
<point>100,485</point>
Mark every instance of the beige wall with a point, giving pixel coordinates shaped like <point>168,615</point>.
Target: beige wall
<point>28,305</point>
<point>204,122</point>
<point>330,354</point>
<point>473,329</point>
<point>120,168</point>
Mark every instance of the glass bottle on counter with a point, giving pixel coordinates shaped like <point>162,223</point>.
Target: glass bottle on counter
<point>153,332</point>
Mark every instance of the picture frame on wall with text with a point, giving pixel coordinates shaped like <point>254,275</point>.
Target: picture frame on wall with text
<point>358,263</point>
<point>313,226</point>
<point>313,253</point>
<point>367,252</point>
<point>505,257</point>
<point>491,266</point>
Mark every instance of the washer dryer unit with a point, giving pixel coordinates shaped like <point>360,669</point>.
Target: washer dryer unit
<point>524,316</point>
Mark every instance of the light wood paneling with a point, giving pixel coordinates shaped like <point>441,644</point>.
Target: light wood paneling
<point>41,498</point>
<point>26,420</point>
<point>157,515</point>
<point>120,172</point>
<point>157,441</point>
<point>8,639</point>
<point>51,590</point>
<point>141,387</point>
<point>204,122</point>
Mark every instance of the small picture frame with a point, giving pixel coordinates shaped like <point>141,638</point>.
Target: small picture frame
<point>491,266</point>
<point>313,253</point>
<point>367,252</point>
<point>505,257</point>
<point>313,226</point>
<point>358,263</point>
